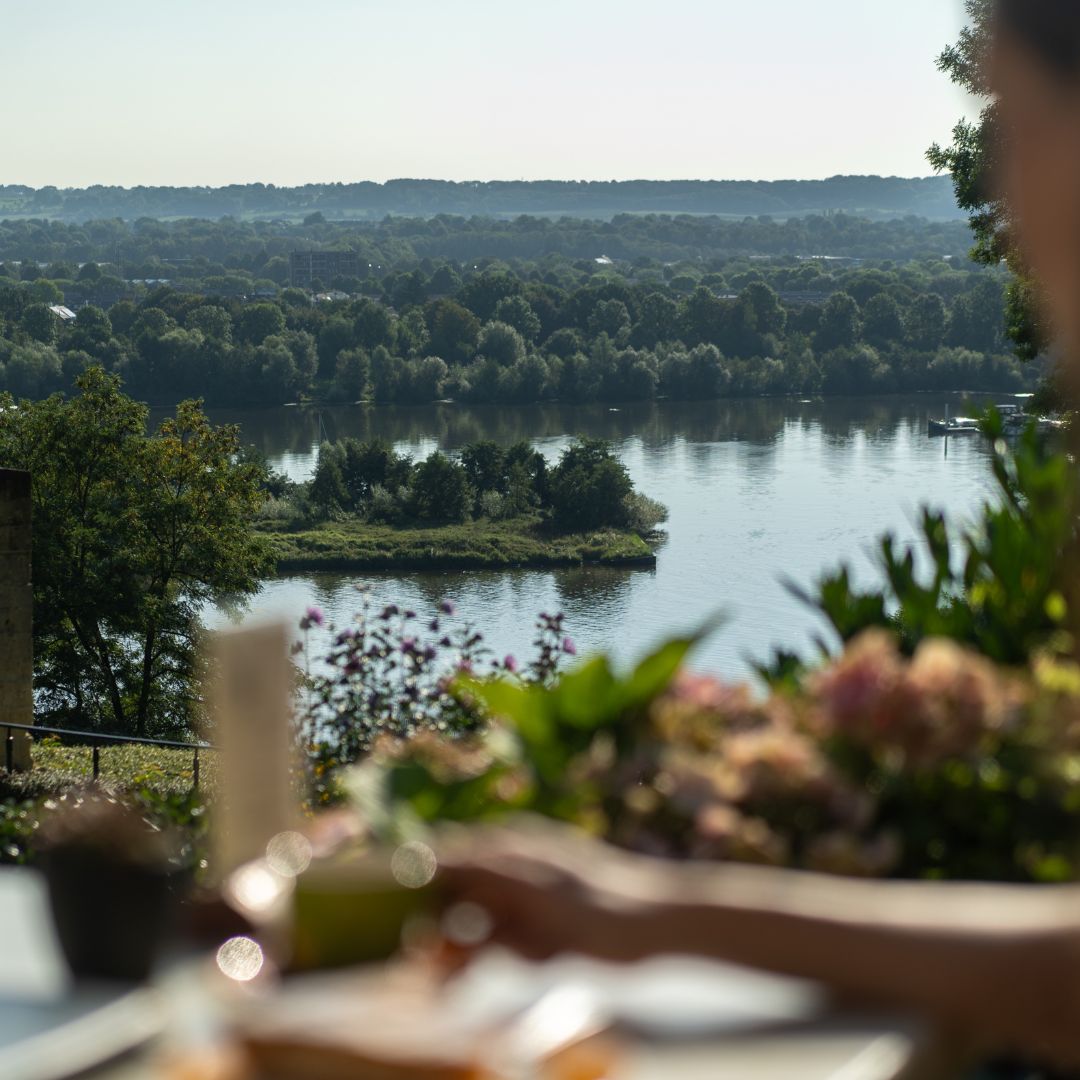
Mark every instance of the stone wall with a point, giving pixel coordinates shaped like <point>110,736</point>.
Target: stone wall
<point>16,615</point>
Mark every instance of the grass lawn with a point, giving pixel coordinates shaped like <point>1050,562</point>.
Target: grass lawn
<point>158,781</point>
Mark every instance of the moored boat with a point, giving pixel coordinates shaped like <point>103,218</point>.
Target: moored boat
<point>958,425</point>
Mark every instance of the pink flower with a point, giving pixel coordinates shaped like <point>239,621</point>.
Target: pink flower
<point>940,704</point>
<point>858,691</point>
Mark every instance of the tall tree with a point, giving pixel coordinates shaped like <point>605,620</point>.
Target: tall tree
<point>972,160</point>
<point>133,535</point>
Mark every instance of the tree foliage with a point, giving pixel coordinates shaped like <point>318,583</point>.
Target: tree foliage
<point>972,158</point>
<point>133,535</point>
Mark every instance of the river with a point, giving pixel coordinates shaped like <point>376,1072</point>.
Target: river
<point>757,491</point>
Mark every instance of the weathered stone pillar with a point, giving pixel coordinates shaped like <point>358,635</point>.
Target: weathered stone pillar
<point>16,616</point>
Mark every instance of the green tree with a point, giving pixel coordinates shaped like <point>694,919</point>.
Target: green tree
<point>335,336</point>
<point>441,491</point>
<point>351,375</point>
<point>611,317</point>
<point>658,318</point>
<point>925,322</point>
<point>92,328</point>
<point>839,327</point>
<point>484,463</point>
<point>257,322</point>
<point>453,331</point>
<point>589,487</point>
<point>883,324</point>
<point>211,321</point>
<point>373,464</point>
<point>517,312</point>
<point>134,535</point>
<point>328,491</point>
<point>40,324</point>
<point>972,159</point>
<point>372,325</point>
<point>482,292</point>
<point>44,291</point>
<point>501,343</point>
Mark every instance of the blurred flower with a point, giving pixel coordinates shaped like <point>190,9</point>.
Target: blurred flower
<point>858,690</point>
<point>313,617</point>
<point>569,647</point>
<point>938,705</point>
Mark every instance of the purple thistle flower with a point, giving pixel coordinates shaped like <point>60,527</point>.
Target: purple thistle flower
<point>314,617</point>
<point>408,645</point>
<point>569,647</point>
<point>510,664</point>
<point>410,614</point>
<point>430,653</point>
<point>447,607</point>
<point>433,626</point>
<point>389,612</point>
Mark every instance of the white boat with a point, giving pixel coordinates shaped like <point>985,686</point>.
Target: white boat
<point>958,425</point>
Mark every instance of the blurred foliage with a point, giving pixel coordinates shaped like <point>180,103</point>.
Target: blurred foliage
<point>938,766</point>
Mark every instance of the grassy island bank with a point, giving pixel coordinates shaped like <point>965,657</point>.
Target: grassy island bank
<point>488,508</point>
<point>352,545</point>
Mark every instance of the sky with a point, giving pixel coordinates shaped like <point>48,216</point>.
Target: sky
<point>234,91</point>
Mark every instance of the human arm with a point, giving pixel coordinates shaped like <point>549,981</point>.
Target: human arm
<point>999,963</point>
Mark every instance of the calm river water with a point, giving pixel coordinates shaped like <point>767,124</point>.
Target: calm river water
<point>757,490</point>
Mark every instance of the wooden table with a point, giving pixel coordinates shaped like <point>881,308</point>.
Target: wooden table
<point>721,1022</point>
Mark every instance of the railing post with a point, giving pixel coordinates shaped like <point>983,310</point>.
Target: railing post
<point>9,752</point>
<point>195,768</point>
<point>96,751</point>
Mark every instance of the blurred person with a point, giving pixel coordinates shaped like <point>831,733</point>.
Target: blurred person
<point>999,964</point>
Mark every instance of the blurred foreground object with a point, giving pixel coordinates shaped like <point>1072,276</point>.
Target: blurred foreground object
<point>251,693</point>
<point>407,1028</point>
<point>111,878</point>
<point>357,910</point>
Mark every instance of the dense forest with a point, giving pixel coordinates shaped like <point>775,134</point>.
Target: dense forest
<point>234,254</point>
<point>865,195</point>
<point>207,309</point>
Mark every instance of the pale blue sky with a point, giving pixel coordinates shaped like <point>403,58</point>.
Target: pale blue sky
<point>219,91</point>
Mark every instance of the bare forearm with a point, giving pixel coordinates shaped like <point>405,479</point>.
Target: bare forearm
<point>1002,961</point>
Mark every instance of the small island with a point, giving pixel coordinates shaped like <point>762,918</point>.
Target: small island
<point>368,508</point>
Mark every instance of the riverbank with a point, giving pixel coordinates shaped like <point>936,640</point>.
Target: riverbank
<point>355,546</point>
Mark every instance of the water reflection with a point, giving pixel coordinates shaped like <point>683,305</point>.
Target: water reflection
<point>756,490</point>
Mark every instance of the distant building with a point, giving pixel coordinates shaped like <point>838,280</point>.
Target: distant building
<point>308,266</point>
<point>64,314</point>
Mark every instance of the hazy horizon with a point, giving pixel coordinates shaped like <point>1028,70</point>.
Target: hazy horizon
<point>502,180</point>
<point>248,92</point>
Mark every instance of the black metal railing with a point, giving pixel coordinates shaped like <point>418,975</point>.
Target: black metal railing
<point>95,740</point>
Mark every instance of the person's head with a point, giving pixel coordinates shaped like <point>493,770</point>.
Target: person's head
<point>1035,73</point>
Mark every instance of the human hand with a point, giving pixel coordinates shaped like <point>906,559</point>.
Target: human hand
<point>544,891</point>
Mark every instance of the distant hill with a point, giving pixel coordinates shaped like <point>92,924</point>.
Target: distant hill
<point>873,197</point>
